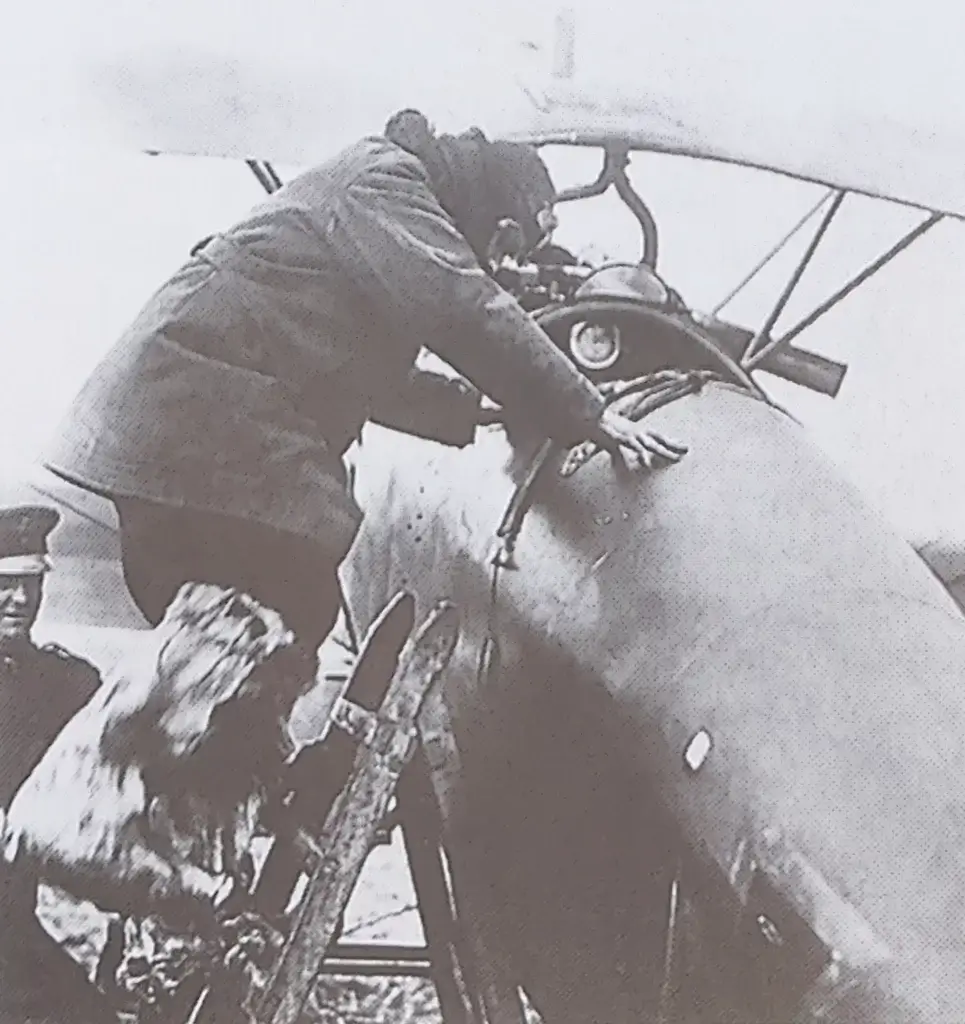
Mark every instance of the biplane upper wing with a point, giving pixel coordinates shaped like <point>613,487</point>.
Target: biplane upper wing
<point>864,97</point>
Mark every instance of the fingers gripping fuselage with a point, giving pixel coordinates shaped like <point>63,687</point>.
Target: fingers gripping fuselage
<point>730,673</point>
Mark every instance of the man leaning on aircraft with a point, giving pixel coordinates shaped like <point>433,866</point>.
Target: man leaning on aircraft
<point>218,422</point>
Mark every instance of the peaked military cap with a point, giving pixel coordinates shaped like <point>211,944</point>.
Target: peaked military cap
<point>24,530</point>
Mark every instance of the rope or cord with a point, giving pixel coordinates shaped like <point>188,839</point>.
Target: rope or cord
<point>653,391</point>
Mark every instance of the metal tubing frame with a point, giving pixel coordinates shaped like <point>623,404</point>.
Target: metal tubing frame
<point>760,347</point>
<point>272,174</point>
<point>613,173</point>
<point>266,174</point>
<point>771,253</point>
<point>616,159</point>
<point>604,180</point>
<point>859,279</point>
<point>640,210</point>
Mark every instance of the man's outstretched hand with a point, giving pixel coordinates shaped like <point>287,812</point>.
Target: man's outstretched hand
<point>616,432</point>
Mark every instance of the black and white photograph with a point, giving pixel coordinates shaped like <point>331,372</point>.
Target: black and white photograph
<point>482,512</point>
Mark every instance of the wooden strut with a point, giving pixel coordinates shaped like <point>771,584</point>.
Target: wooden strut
<point>397,751</point>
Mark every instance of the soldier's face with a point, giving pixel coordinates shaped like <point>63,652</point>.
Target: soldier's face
<point>19,604</point>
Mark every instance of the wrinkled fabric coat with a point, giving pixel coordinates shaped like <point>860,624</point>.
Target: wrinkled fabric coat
<point>40,691</point>
<point>247,375</point>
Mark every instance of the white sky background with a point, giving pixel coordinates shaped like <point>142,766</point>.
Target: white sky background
<point>88,236</point>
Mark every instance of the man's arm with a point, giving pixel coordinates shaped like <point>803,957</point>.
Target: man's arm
<point>414,265</point>
<point>80,679</point>
<point>435,407</point>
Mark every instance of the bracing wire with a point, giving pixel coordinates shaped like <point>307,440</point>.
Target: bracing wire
<point>772,253</point>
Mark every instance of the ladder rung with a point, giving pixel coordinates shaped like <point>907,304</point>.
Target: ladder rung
<point>376,968</point>
<point>378,951</point>
<point>372,959</point>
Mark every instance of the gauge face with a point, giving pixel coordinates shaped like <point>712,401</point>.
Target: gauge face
<point>595,347</point>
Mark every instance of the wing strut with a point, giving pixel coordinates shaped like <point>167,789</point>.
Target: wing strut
<point>266,174</point>
<point>859,279</point>
<point>760,348</point>
<point>756,353</point>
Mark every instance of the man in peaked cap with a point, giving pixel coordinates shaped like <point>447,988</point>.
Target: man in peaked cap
<point>40,690</point>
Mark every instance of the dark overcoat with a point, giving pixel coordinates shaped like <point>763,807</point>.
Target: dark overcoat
<point>247,375</point>
<point>40,691</point>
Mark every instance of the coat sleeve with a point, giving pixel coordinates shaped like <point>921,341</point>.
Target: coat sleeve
<point>79,680</point>
<point>435,407</point>
<point>413,265</point>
